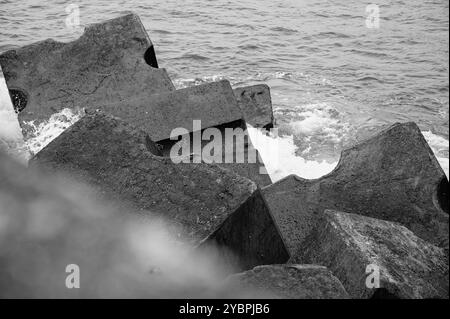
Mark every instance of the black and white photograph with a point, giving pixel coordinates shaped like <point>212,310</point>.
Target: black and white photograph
<point>224,155</point>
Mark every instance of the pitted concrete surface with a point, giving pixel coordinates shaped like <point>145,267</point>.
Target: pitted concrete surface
<point>106,64</point>
<point>403,265</point>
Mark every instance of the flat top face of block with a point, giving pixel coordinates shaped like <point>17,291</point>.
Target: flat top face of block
<point>106,64</point>
<point>256,104</point>
<point>392,176</point>
<point>111,154</point>
<point>158,114</point>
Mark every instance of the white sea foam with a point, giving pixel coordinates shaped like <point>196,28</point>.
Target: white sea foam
<point>11,138</point>
<point>440,147</point>
<point>47,131</point>
<point>280,159</point>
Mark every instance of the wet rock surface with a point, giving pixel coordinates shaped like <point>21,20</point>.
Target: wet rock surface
<point>287,282</point>
<point>406,266</point>
<point>392,176</point>
<point>108,63</point>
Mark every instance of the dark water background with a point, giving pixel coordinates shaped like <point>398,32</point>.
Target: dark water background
<point>333,79</point>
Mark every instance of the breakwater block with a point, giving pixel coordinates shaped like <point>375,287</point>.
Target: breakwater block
<point>374,258</point>
<point>112,61</point>
<point>392,176</point>
<point>211,104</point>
<point>190,114</point>
<point>286,282</point>
<point>123,163</point>
<point>256,104</point>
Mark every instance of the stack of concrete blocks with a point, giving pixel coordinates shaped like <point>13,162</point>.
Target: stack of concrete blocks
<point>384,208</point>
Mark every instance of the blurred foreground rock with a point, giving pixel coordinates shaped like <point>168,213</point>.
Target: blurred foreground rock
<point>352,245</point>
<point>49,222</point>
<point>287,282</point>
<point>392,176</point>
<point>123,164</point>
<point>112,61</point>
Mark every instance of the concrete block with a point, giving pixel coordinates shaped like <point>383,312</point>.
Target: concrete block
<point>256,104</point>
<point>392,176</point>
<point>158,114</point>
<point>115,158</point>
<point>112,61</point>
<point>213,105</point>
<point>287,282</point>
<point>375,258</point>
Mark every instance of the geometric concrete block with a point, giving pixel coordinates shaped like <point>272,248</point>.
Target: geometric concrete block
<point>256,104</point>
<point>407,266</point>
<point>198,200</point>
<point>286,282</point>
<point>112,61</point>
<point>114,157</point>
<point>392,176</point>
<point>158,114</point>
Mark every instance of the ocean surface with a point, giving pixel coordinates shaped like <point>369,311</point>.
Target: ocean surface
<point>335,78</point>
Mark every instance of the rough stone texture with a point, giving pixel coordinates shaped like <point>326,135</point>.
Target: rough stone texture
<point>287,281</point>
<point>106,64</point>
<point>49,221</point>
<point>393,176</point>
<point>158,114</point>
<point>113,156</point>
<point>108,152</point>
<point>347,243</point>
<point>256,104</point>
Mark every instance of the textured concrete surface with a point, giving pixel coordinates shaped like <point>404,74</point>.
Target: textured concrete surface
<point>158,114</point>
<point>112,61</point>
<point>113,156</point>
<point>256,104</point>
<point>287,282</point>
<point>409,267</point>
<point>392,176</point>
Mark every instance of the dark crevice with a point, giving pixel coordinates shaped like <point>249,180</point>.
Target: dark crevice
<point>383,293</point>
<point>19,99</point>
<point>150,57</point>
<point>442,193</point>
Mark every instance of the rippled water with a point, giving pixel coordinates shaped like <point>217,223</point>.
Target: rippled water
<point>333,80</point>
